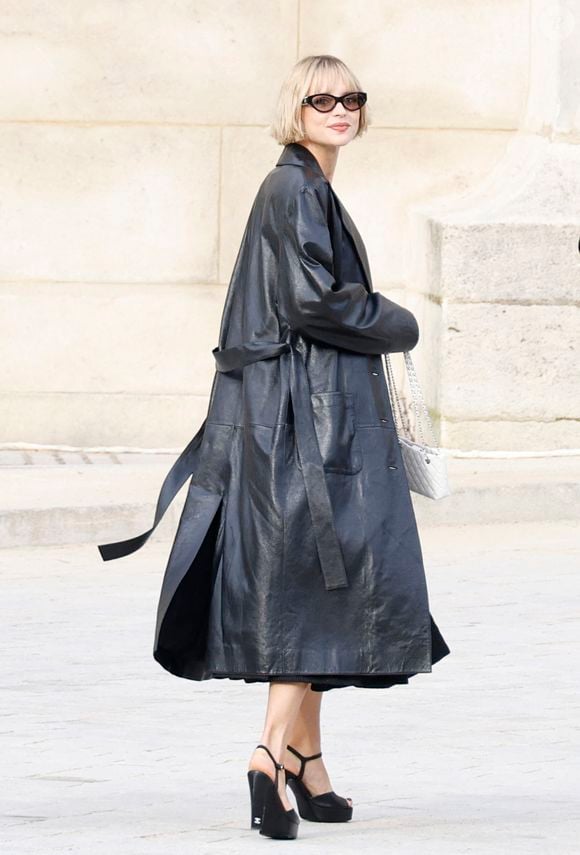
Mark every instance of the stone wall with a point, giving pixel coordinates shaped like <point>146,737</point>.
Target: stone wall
<point>134,138</point>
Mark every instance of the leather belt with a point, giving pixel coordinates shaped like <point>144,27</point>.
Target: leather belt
<point>327,543</point>
<point>182,468</point>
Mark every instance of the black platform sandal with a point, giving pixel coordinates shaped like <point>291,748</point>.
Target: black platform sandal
<point>268,812</point>
<point>326,807</point>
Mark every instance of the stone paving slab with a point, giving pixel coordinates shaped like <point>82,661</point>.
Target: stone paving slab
<point>103,750</point>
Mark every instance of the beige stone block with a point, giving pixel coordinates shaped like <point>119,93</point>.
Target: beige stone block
<point>95,204</point>
<point>510,435</point>
<point>201,62</point>
<point>93,339</point>
<point>523,262</point>
<point>509,362</point>
<point>429,63</point>
<point>382,175</point>
<point>111,420</point>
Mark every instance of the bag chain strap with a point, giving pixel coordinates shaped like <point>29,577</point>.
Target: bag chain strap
<point>417,402</point>
<point>396,404</point>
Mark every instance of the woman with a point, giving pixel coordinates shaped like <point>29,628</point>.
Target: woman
<point>297,559</point>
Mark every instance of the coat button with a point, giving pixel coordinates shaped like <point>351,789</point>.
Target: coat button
<point>376,373</point>
<point>384,420</point>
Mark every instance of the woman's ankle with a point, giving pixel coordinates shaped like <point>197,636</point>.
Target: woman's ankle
<point>275,739</point>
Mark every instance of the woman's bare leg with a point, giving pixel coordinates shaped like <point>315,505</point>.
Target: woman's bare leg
<point>284,700</point>
<point>305,737</point>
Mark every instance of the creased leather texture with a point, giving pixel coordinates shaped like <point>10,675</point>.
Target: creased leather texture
<point>297,552</point>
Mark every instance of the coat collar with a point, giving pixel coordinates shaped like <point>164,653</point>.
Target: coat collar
<point>295,154</point>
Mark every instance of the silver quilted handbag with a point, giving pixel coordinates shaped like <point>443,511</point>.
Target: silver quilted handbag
<point>425,465</point>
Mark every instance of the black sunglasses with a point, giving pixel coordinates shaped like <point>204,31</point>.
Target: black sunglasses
<point>324,103</point>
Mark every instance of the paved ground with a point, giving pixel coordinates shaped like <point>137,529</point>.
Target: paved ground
<point>102,750</point>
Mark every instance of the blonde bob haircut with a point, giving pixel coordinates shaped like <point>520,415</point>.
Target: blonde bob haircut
<point>311,72</point>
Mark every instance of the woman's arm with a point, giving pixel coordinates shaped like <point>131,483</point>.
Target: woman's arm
<point>342,314</point>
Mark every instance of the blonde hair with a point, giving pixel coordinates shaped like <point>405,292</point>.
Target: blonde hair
<point>287,126</point>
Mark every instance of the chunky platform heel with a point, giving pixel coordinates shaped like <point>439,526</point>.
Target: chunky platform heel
<point>326,807</point>
<point>267,811</point>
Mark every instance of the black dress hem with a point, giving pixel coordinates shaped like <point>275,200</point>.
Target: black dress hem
<point>323,682</point>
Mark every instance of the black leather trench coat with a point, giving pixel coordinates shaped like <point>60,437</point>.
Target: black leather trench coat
<point>297,552</point>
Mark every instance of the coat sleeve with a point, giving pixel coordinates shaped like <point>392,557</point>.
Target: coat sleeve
<point>342,314</point>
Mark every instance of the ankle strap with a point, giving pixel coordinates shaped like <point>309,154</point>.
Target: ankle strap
<point>275,762</point>
<point>303,759</point>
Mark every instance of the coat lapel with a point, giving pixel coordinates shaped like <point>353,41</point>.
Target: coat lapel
<point>296,154</point>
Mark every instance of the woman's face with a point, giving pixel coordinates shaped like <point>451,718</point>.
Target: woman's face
<point>318,127</point>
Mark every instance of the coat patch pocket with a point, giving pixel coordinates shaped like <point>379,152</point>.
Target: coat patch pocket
<point>339,444</point>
